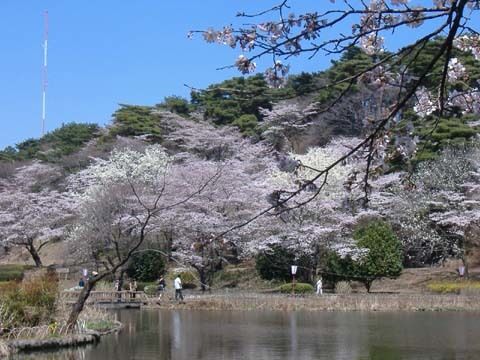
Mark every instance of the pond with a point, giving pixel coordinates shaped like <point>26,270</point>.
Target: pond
<point>187,334</point>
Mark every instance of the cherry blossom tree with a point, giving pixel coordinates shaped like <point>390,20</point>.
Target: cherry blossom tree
<point>119,199</point>
<point>279,34</point>
<point>243,169</point>
<point>31,213</point>
<point>433,209</point>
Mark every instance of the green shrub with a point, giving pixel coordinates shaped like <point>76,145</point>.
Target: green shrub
<point>31,302</point>
<point>275,263</point>
<point>449,132</point>
<point>12,272</point>
<point>150,290</point>
<point>429,51</point>
<point>142,285</point>
<point>300,288</point>
<point>69,137</point>
<point>175,104</point>
<point>146,266</point>
<point>132,120</point>
<point>339,268</point>
<point>188,280</point>
<point>247,124</point>
<point>100,325</point>
<point>227,101</point>
<point>382,259</point>
<point>65,140</point>
<point>352,62</point>
<point>303,83</point>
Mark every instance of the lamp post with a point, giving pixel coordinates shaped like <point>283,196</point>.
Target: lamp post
<point>294,271</point>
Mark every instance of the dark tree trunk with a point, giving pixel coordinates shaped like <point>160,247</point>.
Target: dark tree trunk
<point>34,253</point>
<point>78,306</point>
<point>368,285</point>
<point>85,293</point>
<point>203,279</point>
<point>120,280</point>
<point>202,274</point>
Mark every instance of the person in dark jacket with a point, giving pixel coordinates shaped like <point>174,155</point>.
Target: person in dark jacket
<point>160,286</point>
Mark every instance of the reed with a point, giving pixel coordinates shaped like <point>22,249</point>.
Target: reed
<point>455,287</point>
<point>4,349</point>
<point>344,302</point>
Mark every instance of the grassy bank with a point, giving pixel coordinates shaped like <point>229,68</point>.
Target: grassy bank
<point>13,272</point>
<point>33,316</point>
<point>16,346</point>
<point>55,336</point>
<point>354,302</point>
<point>455,287</point>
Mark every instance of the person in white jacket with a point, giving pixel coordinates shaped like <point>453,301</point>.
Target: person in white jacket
<point>319,286</point>
<point>177,284</point>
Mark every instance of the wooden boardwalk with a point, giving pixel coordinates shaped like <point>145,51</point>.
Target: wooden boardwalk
<point>109,298</point>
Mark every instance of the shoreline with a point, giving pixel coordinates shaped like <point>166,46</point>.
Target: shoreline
<point>68,341</point>
<point>374,302</point>
<point>329,302</point>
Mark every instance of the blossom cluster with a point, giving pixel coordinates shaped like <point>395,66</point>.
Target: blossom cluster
<point>456,70</point>
<point>128,164</point>
<point>469,43</point>
<point>467,99</point>
<point>425,104</point>
<point>314,161</point>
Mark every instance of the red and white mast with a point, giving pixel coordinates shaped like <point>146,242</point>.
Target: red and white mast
<point>45,70</point>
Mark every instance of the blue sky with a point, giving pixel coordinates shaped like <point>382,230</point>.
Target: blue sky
<point>108,52</point>
<point>103,53</point>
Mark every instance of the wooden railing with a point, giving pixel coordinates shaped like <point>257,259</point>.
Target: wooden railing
<point>106,297</point>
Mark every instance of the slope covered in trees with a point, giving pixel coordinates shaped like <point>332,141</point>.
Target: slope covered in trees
<point>239,148</point>
<point>65,140</point>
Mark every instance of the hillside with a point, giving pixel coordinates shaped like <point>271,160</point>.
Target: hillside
<point>239,148</point>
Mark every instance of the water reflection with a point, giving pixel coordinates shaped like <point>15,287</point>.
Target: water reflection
<point>166,335</point>
<point>176,329</point>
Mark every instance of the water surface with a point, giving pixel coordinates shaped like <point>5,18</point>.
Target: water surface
<point>186,334</point>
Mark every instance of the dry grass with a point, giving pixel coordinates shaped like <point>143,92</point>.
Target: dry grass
<point>455,287</point>
<point>53,330</point>
<point>90,317</point>
<point>104,286</point>
<point>94,314</point>
<point>354,302</point>
<point>4,350</point>
<point>31,302</point>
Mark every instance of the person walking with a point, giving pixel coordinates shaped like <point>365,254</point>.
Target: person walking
<point>160,286</point>
<point>133,288</point>
<point>177,283</point>
<point>319,286</point>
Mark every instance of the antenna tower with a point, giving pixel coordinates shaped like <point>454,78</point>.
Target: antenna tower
<point>44,70</point>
